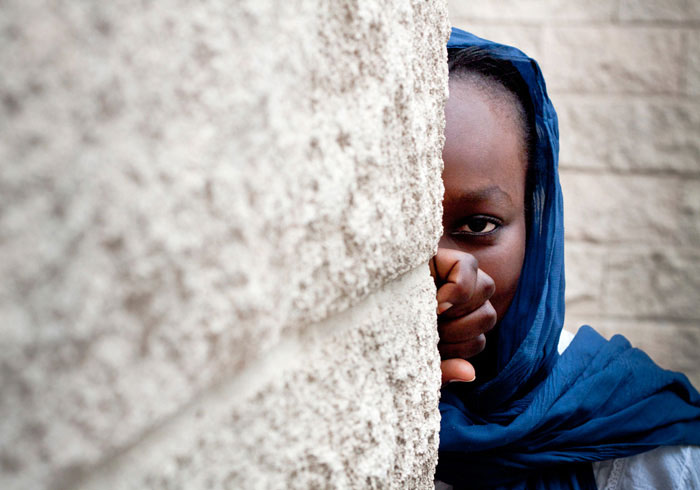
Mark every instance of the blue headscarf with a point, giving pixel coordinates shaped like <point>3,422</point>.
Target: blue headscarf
<point>543,418</point>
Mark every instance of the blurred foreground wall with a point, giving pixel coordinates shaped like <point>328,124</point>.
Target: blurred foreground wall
<point>624,76</point>
<point>215,219</point>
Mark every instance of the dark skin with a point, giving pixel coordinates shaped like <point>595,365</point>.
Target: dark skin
<point>481,252</point>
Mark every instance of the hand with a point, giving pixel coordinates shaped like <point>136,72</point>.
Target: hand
<point>465,313</point>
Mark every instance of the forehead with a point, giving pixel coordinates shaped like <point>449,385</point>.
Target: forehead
<point>484,144</point>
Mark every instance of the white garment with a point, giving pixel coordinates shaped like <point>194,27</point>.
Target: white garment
<point>663,468</point>
<point>668,467</point>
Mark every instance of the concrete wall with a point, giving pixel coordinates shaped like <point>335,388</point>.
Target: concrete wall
<point>215,219</point>
<point>625,78</point>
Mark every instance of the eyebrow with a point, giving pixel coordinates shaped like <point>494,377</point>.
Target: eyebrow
<point>474,196</point>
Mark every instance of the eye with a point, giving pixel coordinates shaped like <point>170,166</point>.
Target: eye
<point>479,225</point>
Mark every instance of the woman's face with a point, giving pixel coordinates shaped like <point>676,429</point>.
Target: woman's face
<point>484,177</point>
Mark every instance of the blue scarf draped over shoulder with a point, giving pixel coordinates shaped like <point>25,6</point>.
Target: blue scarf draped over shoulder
<point>543,418</point>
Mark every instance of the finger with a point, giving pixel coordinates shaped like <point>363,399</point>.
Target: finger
<point>459,282</point>
<point>462,350</point>
<point>464,302</point>
<point>469,326</point>
<point>463,267</point>
<point>457,370</point>
<point>445,260</point>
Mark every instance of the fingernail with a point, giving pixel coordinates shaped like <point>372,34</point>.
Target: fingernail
<point>442,307</point>
<point>461,380</point>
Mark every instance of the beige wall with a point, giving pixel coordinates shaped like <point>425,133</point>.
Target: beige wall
<point>624,76</point>
<point>215,219</point>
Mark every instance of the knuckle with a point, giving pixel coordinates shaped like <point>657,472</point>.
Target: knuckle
<point>475,346</point>
<point>468,281</point>
<point>464,289</point>
<point>487,317</point>
<point>489,285</point>
<point>491,315</point>
<point>470,261</point>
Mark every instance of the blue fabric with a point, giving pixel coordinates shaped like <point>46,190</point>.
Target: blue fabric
<point>543,418</point>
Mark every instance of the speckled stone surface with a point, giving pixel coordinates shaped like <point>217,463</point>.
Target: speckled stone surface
<point>353,409</point>
<point>183,188</point>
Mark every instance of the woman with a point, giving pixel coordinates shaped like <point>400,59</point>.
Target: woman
<point>532,418</point>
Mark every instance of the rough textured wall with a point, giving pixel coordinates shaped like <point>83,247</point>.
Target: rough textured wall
<point>625,78</point>
<point>214,223</point>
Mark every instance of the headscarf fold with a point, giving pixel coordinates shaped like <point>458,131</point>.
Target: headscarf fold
<point>543,418</point>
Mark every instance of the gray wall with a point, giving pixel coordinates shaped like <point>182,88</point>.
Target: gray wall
<point>215,219</point>
<point>624,76</point>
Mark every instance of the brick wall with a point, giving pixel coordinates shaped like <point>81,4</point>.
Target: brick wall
<point>624,76</point>
<point>215,222</point>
